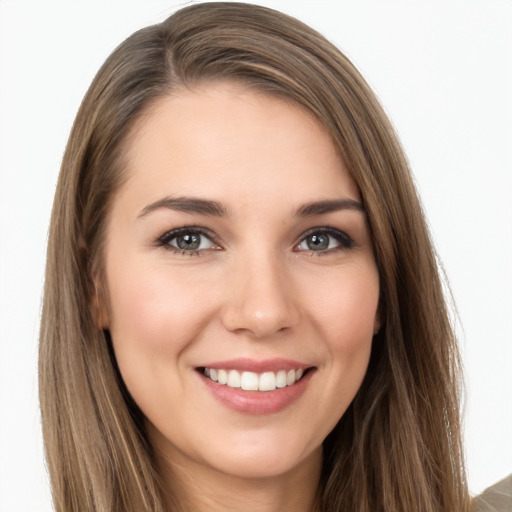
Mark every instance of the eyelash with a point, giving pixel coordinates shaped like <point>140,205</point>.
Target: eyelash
<point>345,241</point>
<point>166,238</point>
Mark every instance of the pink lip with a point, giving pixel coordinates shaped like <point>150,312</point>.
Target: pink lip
<point>257,402</point>
<point>252,365</point>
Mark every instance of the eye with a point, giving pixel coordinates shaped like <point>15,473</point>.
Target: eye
<point>187,240</point>
<point>325,240</point>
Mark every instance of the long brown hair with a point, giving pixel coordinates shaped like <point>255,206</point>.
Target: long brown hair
<point>398,446</point>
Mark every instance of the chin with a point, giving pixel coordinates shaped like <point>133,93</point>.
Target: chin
<point>260,459</point>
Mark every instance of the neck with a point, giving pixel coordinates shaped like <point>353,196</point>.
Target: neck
<point>200,489</point>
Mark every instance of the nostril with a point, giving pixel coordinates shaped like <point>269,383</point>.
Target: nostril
<point>261,304</point>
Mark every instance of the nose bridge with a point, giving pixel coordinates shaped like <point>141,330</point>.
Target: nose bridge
<point>260,299</point>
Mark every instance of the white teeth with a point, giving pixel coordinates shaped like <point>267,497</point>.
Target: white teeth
<point>281,379</point>
<point>233,379</point>
<point>222,376</point>
<point>267,381</point>
<point>251,381</point>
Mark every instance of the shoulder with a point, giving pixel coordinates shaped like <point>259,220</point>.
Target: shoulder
<point>497,498</point>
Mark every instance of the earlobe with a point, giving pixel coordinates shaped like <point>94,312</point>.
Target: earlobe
<point>99,305</point>
<point>97,291</point>
<point>376,324</point>
<point>380,314</point>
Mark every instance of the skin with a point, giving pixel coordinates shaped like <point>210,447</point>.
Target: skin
<point>255,289</point>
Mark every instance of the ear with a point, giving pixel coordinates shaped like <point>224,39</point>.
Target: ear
<point>377,323</point>
<point>97,289</point>
<point>99,305</point>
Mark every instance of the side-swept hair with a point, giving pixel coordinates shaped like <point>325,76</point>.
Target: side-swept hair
<point>398,446</point>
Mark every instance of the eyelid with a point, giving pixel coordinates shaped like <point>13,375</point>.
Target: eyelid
<point>345,241</point>
<point>163,240</point>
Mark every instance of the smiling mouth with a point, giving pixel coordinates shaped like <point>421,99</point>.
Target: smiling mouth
<point>252,381</point>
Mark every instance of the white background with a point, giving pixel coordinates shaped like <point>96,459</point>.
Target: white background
<point>442,69</point>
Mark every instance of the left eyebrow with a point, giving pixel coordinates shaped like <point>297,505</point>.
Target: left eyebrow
<point>187,205</point>
<point>328,206</point>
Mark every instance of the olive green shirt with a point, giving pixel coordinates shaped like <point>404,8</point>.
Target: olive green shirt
<point>497,498</point>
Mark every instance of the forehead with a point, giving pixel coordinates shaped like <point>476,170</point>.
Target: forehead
<point>228,141</point>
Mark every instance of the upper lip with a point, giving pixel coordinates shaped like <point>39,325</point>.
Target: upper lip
<point>256,366</point>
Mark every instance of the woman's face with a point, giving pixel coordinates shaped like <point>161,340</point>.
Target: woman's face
<point>238,250</point>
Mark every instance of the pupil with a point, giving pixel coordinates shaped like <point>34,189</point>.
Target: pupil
<point>318,242</point>
<point>190,242</point>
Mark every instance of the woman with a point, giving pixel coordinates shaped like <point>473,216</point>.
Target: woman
<point>242,308</point>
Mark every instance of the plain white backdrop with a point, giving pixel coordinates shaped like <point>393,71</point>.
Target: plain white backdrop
<point>443,71</point>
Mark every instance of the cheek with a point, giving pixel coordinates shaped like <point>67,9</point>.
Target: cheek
<point>346,316</point>
<point>347,309</point>
<point>154,309</point>
<point>155,316</point>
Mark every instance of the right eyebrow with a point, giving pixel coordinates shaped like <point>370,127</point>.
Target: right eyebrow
<point>329,206</point>
<point>187,205</point>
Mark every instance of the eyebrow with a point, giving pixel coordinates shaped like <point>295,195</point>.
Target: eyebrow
<point>216,209</point>
<point>187,205</point>
<point>328,206</point>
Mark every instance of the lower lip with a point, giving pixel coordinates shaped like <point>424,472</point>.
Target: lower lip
<point>258,402</point>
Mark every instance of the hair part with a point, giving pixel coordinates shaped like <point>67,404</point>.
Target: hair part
<point>398,446</point>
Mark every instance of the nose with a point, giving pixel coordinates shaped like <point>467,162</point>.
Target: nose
<point>260,298</point>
